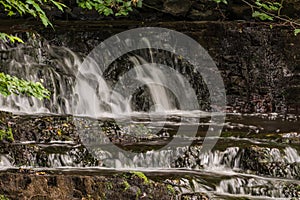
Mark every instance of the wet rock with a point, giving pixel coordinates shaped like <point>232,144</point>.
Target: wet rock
<point>259,188</point>
<point>290,138</point>
<point>43,128</point>
<point>64,187</point>
<point>262,76</point>
<point>271,162</point>
<point>177,7</point>
<point>46,155</point>
<point>199,196</point>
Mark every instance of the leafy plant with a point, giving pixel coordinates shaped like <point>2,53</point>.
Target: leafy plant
<point>269,6</point>
<point>5,37</point>
<point>109,7</point>
<point>268,10</point>
<point>11,84</point>
<point>262,16</point>
<point>35,9</point>
<point>221,1</point>
<point>32,7</point>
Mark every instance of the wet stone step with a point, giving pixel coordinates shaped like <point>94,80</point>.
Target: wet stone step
<point>269,162</point>
<point>45,155</point>
<point>118,185</point>
<point>259,188</point>
<point>243,162</point>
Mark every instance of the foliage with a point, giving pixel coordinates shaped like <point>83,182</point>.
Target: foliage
<point>5,37</point>
<point>6,135</point>
<point>32,7</point>
<point>11,84</point>
<point>262,16</point>
<point>35,9</point>
<point>109,7</point>
<point>268,10</point>
<point>221,1</point>
<point>296,31</point>
<point>8,84</point>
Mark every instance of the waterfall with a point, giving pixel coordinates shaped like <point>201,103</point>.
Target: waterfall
<point>81,89</point>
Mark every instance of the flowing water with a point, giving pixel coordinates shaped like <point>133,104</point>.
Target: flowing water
<point>255,157</point>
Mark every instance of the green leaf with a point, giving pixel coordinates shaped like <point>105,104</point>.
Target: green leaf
<point>262,16</point>
<point>274,8</point>
<point>11,38</point>
<point>296,31</point>
<point>127,4</point>
<point>11,84</point>
<point>258,4</point>
<point>107,11</point>
<point>11,13</point>
<point>59,5</point>
<point>221,1</point>
<point>88,5</point>
<point>139,3</point>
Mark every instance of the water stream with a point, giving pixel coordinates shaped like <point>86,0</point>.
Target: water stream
<point>256,156</point>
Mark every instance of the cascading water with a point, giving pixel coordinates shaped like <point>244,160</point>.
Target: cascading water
<point>57,68</point>
<point>249,160</point>
<point>37,61</point>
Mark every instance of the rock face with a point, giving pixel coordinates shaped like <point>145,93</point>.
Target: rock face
<point>259,65</point>
<point>41,185</point>
<point>263,161</point>
<point>177,7</point>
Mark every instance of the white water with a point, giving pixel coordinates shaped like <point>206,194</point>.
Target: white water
<point>81,89</point>
<point>91,95</point>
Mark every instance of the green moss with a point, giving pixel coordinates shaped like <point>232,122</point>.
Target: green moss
<point>171,189</point>
<point>89,197</point>
<point>227,134</point>
<point>141,175</point>
<point>138,194</point>
<point>126,184</point>
<point>6,135</point>
<point>109,185</point>
<point>2,197</point>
